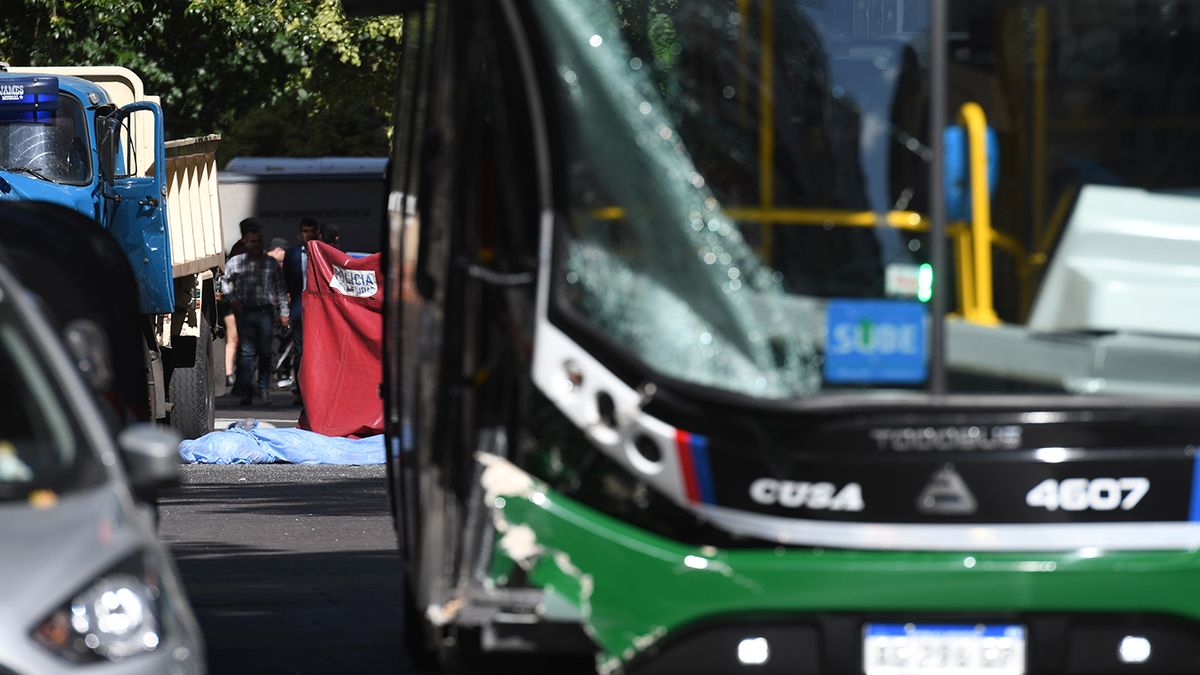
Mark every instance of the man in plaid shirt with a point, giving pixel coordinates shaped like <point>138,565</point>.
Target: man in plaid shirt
<point>253,285</point>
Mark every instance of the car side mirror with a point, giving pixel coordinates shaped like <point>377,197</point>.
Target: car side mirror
<point>151,455</point>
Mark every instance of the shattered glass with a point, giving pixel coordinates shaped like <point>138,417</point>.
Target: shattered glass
<point>650,257</point>
<point>746,178</point>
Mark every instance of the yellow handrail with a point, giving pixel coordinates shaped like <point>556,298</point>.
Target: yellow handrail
<point>965,269</point>
<point>910,221</point>
<point>973,240</point>
<point>971,116</point>
<point>902,220</point>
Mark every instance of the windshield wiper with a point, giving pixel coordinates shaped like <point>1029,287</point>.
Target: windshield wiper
<point>32,172</point>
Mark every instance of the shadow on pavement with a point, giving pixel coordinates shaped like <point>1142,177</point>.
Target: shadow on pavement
<point>290,569</point>
<point>294,569</point>
<point>342,497</point>
<point>312,612</point>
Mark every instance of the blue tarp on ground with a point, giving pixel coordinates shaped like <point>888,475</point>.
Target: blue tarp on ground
<point>248,443</point>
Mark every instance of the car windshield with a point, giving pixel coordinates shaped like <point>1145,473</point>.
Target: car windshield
<point>747,200</point>
<point>41,452</point>
<point>53,148</point>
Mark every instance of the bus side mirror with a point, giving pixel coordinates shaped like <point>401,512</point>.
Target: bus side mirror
<point>956,173</point>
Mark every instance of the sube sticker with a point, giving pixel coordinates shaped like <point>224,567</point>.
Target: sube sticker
<point>870,341</point>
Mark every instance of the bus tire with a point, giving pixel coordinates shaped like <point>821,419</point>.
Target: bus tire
<point>193,403</point>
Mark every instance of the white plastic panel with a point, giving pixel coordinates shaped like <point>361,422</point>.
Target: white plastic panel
<point>1129,260</point>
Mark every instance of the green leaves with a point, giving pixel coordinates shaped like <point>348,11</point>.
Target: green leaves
<point>276,77</point>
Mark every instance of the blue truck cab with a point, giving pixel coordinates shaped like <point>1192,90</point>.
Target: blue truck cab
<point>64,139</point>
<point>60,142</point>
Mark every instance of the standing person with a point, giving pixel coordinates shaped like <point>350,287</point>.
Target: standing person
<point>231,332</point>
<point>281,334</point>
<point>247,226</point>
<point>277,249</point>
<point>295,274</point>
<point>253,284</point>
<point>330,234</point>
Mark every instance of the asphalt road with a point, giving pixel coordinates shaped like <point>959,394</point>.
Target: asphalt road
<point>282,414</point>
<point>290,568</point>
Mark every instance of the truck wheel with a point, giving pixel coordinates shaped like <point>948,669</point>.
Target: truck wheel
<point>193,404</point>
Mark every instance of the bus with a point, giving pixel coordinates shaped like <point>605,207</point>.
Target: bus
<point>779,336</point>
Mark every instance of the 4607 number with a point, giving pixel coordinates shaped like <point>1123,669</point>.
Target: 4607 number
<point>1088,494</point>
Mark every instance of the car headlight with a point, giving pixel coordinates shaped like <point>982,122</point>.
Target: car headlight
<point>115,617</point>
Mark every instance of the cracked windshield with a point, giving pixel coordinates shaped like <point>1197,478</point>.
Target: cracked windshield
<point>750,206</point>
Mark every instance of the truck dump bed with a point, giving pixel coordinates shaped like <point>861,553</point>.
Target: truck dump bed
<point>193,211</point>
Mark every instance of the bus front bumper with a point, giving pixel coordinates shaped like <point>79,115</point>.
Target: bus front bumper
<point>655,605</point>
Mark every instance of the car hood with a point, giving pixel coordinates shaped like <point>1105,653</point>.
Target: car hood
<point>49,554</point>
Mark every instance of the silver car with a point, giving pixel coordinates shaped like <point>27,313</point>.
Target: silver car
<point>85,585</point>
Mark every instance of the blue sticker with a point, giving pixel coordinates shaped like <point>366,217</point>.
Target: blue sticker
<point>1194,510</point>
<point>868,341</point>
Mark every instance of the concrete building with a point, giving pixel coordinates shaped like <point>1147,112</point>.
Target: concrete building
<point>279,191</point>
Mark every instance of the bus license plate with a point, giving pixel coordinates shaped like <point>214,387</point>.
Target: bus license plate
<point>943,649</point>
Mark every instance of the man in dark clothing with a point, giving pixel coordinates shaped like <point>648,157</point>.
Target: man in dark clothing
<point>330,234</point>
<point>295,274</point>
<point>277,249</point>
<point>253,285</point>
<point>247,226</point>
<point>295,266</point>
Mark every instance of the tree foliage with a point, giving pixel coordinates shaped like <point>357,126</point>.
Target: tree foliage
<point>275,77</point>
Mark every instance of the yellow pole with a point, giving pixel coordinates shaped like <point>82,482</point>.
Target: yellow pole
<point>973,120</point>
<point>966,272</point>
<point>766,125</point>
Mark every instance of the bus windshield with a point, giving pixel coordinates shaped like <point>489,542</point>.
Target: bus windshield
<point>747,202</point>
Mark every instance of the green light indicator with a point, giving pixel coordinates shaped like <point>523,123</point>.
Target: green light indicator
<point>925,282</point>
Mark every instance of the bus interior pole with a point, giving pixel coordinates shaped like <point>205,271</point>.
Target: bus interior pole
<point>937,208</point>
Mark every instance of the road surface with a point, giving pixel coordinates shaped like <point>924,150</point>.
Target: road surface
<point>290,568</point>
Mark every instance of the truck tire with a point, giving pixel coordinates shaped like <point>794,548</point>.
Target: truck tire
<point>193,403</point>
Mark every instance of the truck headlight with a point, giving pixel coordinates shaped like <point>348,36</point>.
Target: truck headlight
<point>116,617</point>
